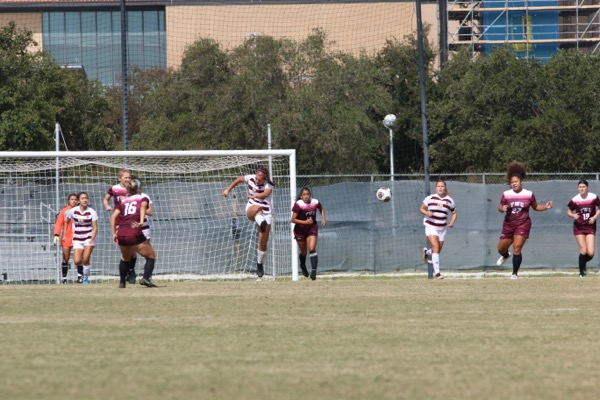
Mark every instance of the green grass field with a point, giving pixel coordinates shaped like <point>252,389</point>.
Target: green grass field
<point>390,338</point>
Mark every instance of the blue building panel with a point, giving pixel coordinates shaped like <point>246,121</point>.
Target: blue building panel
<point>503,23</point>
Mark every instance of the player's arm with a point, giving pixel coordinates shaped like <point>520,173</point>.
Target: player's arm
<point>94,230</point>
<point>233,184</point>
<point>113,219</point>
<point>297,221</point>
<point>425,211</point>
<point>106,201</point>
<point>263,195</point>
<point>149,210</point>
<point>323,220</point>
<point>60,223</point>
<point>573,215</point>
<point>595,217</point>
<point>539,207</point>
<point>453,219</point>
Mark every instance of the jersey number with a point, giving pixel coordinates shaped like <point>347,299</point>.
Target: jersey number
<point>131,208</point>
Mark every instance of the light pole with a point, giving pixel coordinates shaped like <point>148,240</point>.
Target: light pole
<point>389,122</point>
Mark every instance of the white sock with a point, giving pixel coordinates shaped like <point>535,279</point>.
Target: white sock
<point>435,260</point>
<point>260,256</point>
<point>86,271</point>
<point>259,219</point>
<point>428,253</point>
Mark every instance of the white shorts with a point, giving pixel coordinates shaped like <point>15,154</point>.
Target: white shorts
<point>440,232</point>
<point>267,214</point>
<point>78,244</point>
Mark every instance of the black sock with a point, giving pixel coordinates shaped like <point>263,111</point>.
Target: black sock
<point>80,270</point>
<point>131,264</point>
<point>149,268</point>
<point>123,269</point>
<point>303,260</point>
<point>314,260</point>
<point>588,257</point>
<point>582,262</point>
<point>517,258</point>
<point>65,269</point>
<point>505,255</point>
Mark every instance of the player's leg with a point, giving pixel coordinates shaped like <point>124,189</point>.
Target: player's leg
<point>263,239</point>
<point>311,241</point>
<point>255,213</point>
<point>518,243</point>
<point>303,251</point>
<point>146,250</point>
<point>124,264</point>
<point>434,242</point>
<point>78,260</point>
<point>87,255</point>
<point>66,255</point>
<point>503,246</point>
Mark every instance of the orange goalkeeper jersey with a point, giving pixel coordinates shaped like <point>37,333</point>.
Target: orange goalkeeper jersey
<point>65,227</point>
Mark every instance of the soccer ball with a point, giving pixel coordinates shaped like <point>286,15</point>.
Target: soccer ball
<point>384,194</point>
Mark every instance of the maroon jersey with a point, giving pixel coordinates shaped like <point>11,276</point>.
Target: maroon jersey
<point>118,193</point>
<point>585,209</point>
<point>130,208</point>
<point>518,205</point>
<point>303,212</point>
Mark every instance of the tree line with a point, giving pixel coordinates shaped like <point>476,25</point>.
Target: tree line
<point>326,104</point>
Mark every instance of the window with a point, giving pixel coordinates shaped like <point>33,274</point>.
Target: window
<point>93,39</point>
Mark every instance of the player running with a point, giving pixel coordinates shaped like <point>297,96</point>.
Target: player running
<point>515,203</point>
<point>440,213</point>
<point>306,230</point>
<point>584,209</point>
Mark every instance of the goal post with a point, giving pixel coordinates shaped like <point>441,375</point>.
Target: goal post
<point>197,233</point>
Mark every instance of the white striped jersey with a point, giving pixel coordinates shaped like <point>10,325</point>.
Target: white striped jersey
<point>254,188</point>
<point>442,209</point>
<point>82,222</point>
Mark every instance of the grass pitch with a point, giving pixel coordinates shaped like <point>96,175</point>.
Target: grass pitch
<point>391,338</point>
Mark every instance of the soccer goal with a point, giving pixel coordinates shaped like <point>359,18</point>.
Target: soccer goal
<point>197,233</point>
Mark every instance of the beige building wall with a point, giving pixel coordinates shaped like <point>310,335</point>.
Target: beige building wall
<point>352,26</point>
<point>29,21</point>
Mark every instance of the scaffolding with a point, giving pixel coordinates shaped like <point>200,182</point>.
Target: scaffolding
<point>532,28</point>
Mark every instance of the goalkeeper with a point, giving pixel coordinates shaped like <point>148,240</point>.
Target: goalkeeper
<point>66,227</point>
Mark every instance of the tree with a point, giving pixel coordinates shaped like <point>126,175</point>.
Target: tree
<point>35,93</point>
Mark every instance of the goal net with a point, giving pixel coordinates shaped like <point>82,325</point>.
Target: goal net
<point>197,233</point>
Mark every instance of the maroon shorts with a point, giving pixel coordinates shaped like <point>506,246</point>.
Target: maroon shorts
<point>301,233</point>
<point>586,229</point>
<point>131,240</point>
<point>511,230</point>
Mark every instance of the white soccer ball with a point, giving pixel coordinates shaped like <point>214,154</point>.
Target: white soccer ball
<point>384,194</point>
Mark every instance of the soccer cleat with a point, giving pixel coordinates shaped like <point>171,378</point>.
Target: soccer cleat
<point>502,260</point>
<point>313,274</point>
<point>122,285</point>
<point>425,256</point>
<point>263,226</point>
<point>514,276</point>
<point>147,282</point>
<point>131,277</point>
<point>304,271</point>
<point>86,281</point>
<point>260,271</point>
<point>64,281</point>
<point>438,276</point>
<point>79,279</point>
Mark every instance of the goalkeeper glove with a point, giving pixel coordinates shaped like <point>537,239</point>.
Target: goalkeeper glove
<point>55,239</point>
